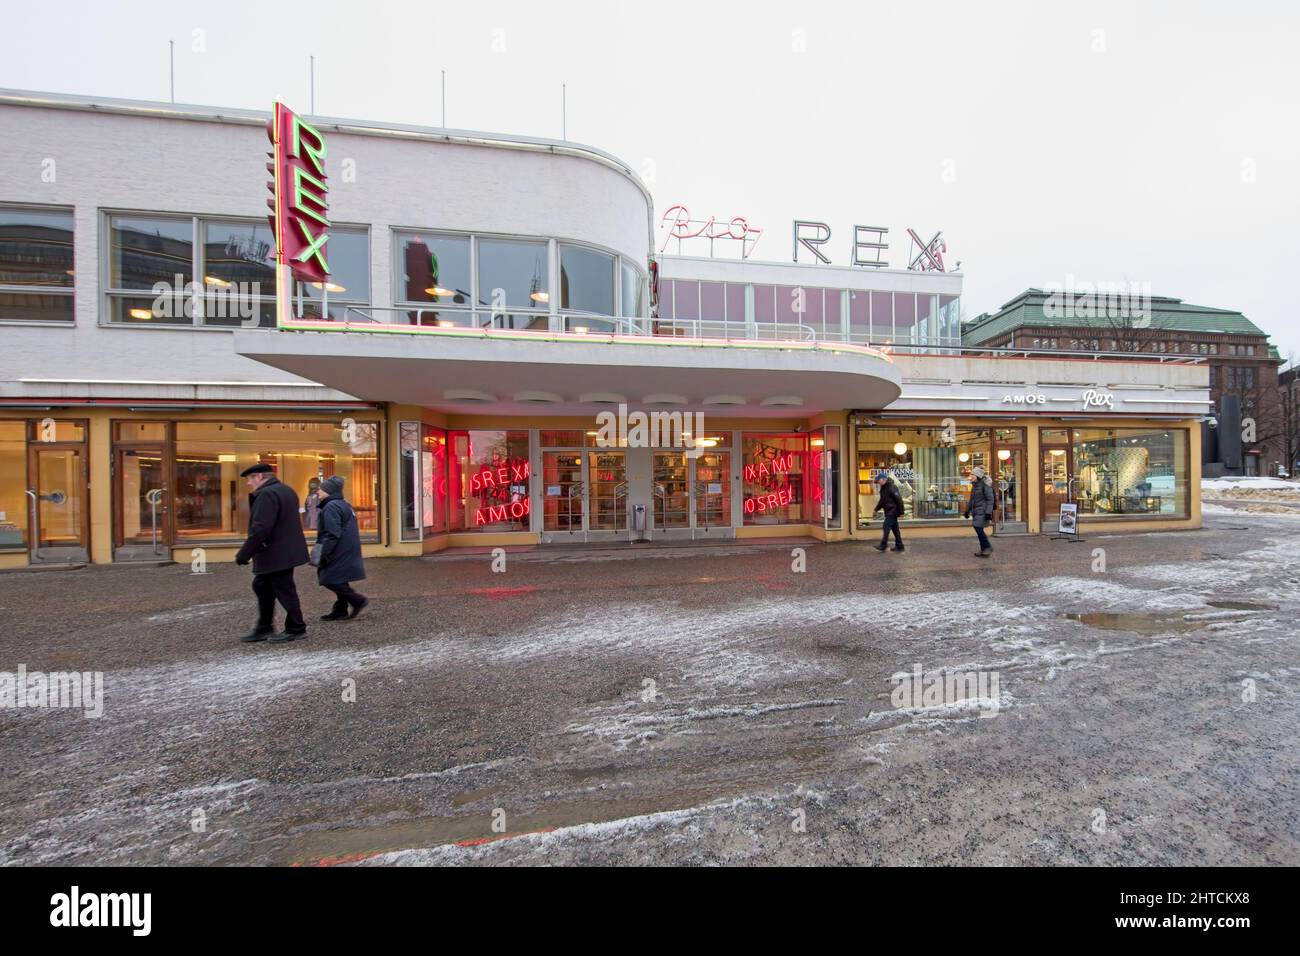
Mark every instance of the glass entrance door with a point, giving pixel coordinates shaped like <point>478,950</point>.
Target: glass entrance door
<point>563,496</point>
<point>142,509</point>
<point>1010,481</point>
<point>607,484</point>
<point>58,487</point>
<point>713,491</point>
<point>1057,470</point>
<point>672,491</point>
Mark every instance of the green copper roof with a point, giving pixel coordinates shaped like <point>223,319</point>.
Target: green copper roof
<point>1029,309</point>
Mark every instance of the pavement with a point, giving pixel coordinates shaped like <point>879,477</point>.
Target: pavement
<point>1129,699</point>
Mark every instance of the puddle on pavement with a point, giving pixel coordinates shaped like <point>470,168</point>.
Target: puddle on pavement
<point>1146,624</point>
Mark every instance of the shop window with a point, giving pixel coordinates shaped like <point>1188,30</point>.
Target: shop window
<point>209,501</point>
<point>513,282</point>
<point>586,280</point>
<point>1131,472</point>
<point>14,503</point>
<point>566,438</point>
<point>36,265</point>
<point>824,458</point>
<point>489,480</point>
<point>433,479</point>
<point>775,478</point>
<point>139,431</point>
<point>930,466</point>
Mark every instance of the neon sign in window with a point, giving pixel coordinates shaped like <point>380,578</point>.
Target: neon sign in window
<point>775,478</point>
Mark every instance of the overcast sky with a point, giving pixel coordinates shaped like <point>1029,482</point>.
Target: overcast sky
<point>1050,142</point>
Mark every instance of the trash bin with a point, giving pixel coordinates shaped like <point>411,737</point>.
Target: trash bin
<point>638,517</point>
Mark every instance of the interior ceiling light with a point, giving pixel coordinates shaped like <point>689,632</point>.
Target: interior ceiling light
<point>900,448</point>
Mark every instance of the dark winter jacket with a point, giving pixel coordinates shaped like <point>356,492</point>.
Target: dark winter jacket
<point>981,503</point>
<point>890,500</point>
<point>275,540</point>
<point>340,541</point>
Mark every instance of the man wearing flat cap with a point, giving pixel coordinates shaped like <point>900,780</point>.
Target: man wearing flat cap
<point>275,545</point>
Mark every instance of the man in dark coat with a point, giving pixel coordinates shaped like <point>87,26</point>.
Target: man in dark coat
<point>276,545</point>
<point>979,508</point>
<point>338,551</point>
<point>891,502</point>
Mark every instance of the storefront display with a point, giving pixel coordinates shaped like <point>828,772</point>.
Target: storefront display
<point>775,479</point>
<point>931,467</point>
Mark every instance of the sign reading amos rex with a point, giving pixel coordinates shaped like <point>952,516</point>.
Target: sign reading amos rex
<point>300,205</point>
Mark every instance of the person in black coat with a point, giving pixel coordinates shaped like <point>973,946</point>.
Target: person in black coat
<point>338,551</point>
<point>979,508</point>
<point>891,502</point>
<point>275,545</point>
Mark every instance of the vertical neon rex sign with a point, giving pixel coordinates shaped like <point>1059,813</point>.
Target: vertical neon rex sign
<point>300,205</point>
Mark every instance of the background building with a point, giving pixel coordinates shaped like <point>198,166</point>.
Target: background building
<point>1242,364</point>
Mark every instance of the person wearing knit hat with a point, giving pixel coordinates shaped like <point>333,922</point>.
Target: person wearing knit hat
<point>337,554</point>
<point>979,508</point>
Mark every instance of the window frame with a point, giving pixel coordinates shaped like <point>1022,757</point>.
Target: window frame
<point>198,223</point>
<point>70,291</point>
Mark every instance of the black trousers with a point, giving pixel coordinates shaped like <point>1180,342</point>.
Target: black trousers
<point>984,538</point>
<point>278,586</point>
<point>891,524</point>
<point>345,596</point>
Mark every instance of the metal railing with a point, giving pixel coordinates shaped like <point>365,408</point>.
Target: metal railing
<point>414,318</point>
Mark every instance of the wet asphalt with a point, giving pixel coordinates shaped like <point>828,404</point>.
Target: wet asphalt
<point>709,705</point>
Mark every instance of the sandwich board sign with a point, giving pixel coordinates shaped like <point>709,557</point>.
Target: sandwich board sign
<point>1067,522</point>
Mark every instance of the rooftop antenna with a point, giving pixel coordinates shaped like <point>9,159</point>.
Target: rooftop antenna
<point>564,112</point>
<point>171,61</point>
<point>313,86</point>
<point>444,99</point>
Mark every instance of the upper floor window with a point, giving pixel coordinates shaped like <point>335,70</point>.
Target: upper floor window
<point>513,282</point>
<point>586,280</point>
<point>36,265</point>
<point>631,291</point>
<point>158,275</point>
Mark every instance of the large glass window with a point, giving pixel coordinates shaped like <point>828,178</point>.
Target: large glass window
<point>435,269</point>
<point>154,256</point>
<point>348,251</point>
<point>586,280</point>
<point>631,291</point>
<point>36,265</point>
<point>1122,471</point>
<point>489,480</point>
<point>775,478</point>
<point>825,456</point>
<point>155,275</point>
<point>931,467</point>
<point>209,497</point>
<point>512,282</point>
<point>14,502</point>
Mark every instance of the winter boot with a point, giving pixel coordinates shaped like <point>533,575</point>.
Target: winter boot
<point>879,547</point>
<point>897,547</point>
<point>259,633</point>
<point>358,608</point>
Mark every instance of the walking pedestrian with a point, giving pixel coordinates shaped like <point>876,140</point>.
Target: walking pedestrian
<point>979,508</point>
<point>275,545</point>
<point>891,502</point>
<point>337,554</point>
